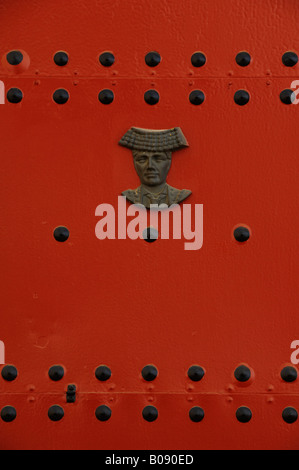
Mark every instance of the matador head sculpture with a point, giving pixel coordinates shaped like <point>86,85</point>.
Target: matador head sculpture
<point>152,155</point>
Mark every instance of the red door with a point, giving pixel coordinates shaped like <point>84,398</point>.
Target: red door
<point>126,304</point>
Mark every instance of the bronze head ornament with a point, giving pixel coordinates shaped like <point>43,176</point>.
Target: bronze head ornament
<point>152,155</point>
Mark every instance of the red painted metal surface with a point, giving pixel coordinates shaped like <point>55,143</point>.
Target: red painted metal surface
<point>128,303</point>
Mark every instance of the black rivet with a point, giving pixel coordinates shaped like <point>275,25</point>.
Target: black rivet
<point>56,373</point>
<point>243,59</point>
<point>196,97</point>
<point>71,393</point>
<point>61,58</point>
<point>14,95</point>
<point>289,59</point>
<point>243,414</point>
<point>198,59</point>
<point>152,59</point>
<point>290,415</point>
<point>8,414</point>
<point>103,373</point>
<point>241,97</point>
<point>9,373</point>
<point>150,413</point>
<point>14,57</point>
<point>241,234</point>
<point>149,373</point>
<point>150,234</point>
<point>61,234</point>
<point>288,374</point>
<point>106,96</point>
<point>55,413</point>
<point>60,96</point>
<point>196,414</point>
<point>242,373</point>
<point>196,373</point>
<point>287,96</point>
<point>107,59</point>
<point>151,97</point>
<point>103,413</point>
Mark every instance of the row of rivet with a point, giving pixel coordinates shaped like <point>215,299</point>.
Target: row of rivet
<point>242,373</point>
<point>153,58</point>
<point>149,413</point>
<point>151,97</point>
<point>150,234</point>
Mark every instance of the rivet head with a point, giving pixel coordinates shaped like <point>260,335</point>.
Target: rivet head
<point>55,413</point>
<point>14,57</point>
<point>152,59</point>
<point>288,374</point>
<point>241,234</point>
<point>8,414</point>
<point>60,96</point>
<point>150,234</point>
<point>242,373</point>
<point>289,415</point>
<point>61,234</point>
<point>151,97</point>
<point>243,414</point>
<point>196,373</point>
<point>61,58</point>
<point>243,59</point>
<point>287,96</point>
<point>103,413</point>
<point>198,59</point>
<point>56,373</point>
<point>241,97</point>
<point>103,373</point>
<point>196,97</point>
<point>107,59</point>
<point>196,414</point>
<point>14,95</point>
<point>9,373</point>
<point>149,373</point>
<point>106,96</point>
<point>150,413</point>
<point>289,59</point>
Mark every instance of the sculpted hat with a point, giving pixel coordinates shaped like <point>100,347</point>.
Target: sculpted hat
<point>154,140</point>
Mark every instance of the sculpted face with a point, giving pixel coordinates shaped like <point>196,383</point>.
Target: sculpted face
<point>152,167</point>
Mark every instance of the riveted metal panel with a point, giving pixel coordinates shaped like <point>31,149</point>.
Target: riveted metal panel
<point>128,303</point>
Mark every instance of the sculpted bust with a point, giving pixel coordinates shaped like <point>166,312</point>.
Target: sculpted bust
<point>152,155</point>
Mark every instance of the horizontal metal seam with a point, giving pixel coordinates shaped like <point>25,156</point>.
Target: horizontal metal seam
<point>186,394</point>
<point>150,78</point>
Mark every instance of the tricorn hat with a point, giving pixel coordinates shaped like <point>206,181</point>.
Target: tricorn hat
<point>154,140</point>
